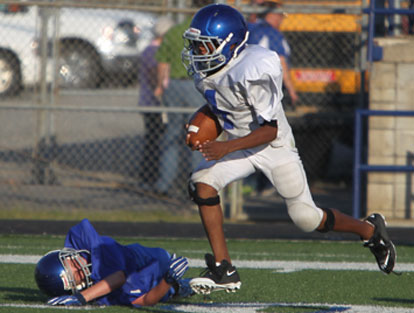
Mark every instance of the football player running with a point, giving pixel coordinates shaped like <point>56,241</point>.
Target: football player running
<point>96,269</point>
<point>243,87</point>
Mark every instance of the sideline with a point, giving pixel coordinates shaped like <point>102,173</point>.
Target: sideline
<point>271,230</point>
<point>278,266</point>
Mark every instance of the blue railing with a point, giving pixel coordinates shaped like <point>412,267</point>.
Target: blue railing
<point>359,167</point>
<point>372,11</point>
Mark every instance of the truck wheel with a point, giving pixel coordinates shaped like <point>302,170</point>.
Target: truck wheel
<point>78,67</point>
<point>10,77</point>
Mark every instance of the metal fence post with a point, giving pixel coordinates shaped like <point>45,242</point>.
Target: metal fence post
<point>357,162</point>
<point>236,200</point>
<point>43,151</point>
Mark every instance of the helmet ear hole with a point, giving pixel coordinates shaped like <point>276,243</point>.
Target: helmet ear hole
<point>49,274</point>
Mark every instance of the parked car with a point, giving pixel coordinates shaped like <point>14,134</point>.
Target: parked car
<point>91,45</point>
<point>16,59</point>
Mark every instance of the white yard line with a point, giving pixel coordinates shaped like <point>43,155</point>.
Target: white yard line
<point>44,306</point>
<point>254,307</point>
<point>279,266</point>
<point>19,258</point>
<point>239,307</point>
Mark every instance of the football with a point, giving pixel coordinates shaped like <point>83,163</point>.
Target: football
<point>203,126</point>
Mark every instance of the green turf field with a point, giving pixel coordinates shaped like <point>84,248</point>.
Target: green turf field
<point>279,289</point>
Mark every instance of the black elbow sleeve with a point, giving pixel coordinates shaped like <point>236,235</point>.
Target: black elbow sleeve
<point>272,123</point>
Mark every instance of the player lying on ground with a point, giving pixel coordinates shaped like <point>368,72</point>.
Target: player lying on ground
<point>96,269</point>
<point>242,85</point>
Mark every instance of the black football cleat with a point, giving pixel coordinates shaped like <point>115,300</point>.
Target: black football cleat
<point>380,244</point>
<point>216,278</point>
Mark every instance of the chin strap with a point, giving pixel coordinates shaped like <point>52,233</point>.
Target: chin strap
<point>236,51</point>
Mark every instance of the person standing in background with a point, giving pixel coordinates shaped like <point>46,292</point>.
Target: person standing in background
<point>154,126</point>
<point>253,17</point>
<point>265,32</point>
<point>175,89</point>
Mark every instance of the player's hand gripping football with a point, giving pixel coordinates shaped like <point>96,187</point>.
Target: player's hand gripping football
<point>188,137</point>
<point>69,300</point>
<point>214,150</point>
<point>178,267</point>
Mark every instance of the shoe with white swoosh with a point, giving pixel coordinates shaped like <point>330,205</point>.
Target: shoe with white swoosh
<point>380,244</point>
<point>216,278</point>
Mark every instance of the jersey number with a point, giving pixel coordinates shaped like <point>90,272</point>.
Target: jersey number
<point>211,98</point>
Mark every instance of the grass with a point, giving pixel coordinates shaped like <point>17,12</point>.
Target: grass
<point>295,290</point>
<point>299,250</point>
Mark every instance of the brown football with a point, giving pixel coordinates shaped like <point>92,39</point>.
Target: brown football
<point>203,126</point>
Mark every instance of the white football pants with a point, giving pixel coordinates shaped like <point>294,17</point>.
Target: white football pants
<point>281,165</point>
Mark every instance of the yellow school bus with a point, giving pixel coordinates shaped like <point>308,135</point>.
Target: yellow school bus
<point>326,53</point>
<point>325,42</point>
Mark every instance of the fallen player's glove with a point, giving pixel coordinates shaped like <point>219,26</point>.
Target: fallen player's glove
<point>74,300</point>
<point>178,267</point>
<point>184,289</point>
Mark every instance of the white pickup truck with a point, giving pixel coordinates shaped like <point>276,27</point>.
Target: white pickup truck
<point>92,44</point>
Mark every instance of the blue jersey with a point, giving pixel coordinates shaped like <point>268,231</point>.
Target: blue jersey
<point>261,33</point>
<point>143,267</point>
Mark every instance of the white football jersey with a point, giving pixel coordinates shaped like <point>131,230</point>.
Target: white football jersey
<point>246,92</point>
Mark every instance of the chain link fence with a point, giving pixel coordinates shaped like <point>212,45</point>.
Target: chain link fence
<point>74,136</point>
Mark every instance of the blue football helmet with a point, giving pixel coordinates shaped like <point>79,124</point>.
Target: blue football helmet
<point>216,35</point>
<point>55,278</point>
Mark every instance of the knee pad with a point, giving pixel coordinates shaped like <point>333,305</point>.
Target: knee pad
<point>289,180</point>
<point>329,222</point>
<point>306,217</point>
<point>192,191</point>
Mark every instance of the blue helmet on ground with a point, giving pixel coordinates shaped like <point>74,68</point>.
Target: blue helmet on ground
<point>216,35</point>
<point>55,278</point>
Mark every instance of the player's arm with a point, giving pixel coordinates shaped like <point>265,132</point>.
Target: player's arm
<point>163,73</point>
<point>177,268</point>
<point>101,288</point>
<point>215,150</point>
<point>154,295</point>
<point>105,286</point>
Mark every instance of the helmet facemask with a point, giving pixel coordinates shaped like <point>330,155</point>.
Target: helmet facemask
<point>68,255</point>
<point>217,51</point>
